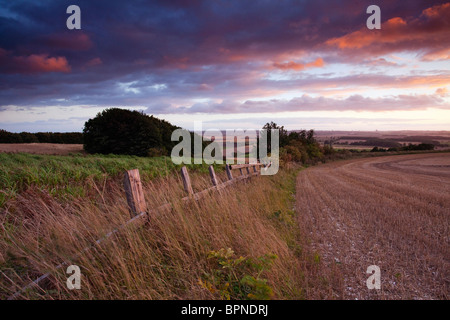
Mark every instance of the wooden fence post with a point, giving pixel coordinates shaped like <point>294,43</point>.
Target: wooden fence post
<point>229,174</point>
<point>224,147</point>
<point>134,193</point>
<point>186,181</point>
<point>235,150</point>
<point>213,175</point>
<point>247,150</point>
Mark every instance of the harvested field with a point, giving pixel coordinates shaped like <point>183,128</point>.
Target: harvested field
<point>42,148</point>
<point>393,212</point>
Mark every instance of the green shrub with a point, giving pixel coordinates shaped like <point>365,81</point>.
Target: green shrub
<point>238,277</point>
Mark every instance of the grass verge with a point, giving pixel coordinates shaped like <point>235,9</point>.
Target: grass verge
<point>241,243</point>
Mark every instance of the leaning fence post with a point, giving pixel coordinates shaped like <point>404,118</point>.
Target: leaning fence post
<point>213,175</point>
<point>186,181</point>
<point>229,174</point>
<point>133,190</point>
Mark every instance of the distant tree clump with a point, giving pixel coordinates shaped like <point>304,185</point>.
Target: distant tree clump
<point>385,143</point>
<point>410,147</point>
<point>377,149</point>
<point>121,131</point>
<point>419,147</point>
<point>296,146</point>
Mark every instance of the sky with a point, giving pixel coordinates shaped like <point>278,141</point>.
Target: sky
<point>230,64</point>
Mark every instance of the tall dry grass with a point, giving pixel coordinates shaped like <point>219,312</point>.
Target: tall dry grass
<point>167,258</point>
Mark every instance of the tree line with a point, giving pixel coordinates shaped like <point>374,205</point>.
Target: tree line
<point>410,147</point>
<point>41,137</point>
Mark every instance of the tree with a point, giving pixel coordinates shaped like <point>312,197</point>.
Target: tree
<point>122,131</point>
<point>266,131</point>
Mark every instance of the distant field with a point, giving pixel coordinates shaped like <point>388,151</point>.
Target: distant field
<point>390,211</point>
<point>384,139</point>
<point>348,147</point>
<point>42,148</point>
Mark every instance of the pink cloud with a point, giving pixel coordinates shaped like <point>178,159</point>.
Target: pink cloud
<point>174,62</point>
<point>429,33</point>
<point>442,92</point>
<point>291,65</point>
<point>438,54</point>
<point>34,63</point>
<point>94,62</point>
<point>204,87</point>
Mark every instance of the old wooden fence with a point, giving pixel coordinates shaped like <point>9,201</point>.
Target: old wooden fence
<point>135,194</point>
<point>140,213</point>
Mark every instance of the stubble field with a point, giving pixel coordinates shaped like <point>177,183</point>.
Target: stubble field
<point>42,148</point>
<point>392,212</point>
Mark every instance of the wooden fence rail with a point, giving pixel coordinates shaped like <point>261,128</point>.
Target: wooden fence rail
<point>138,207</point>
<point>135,196</point>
